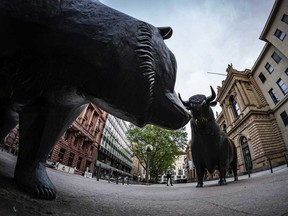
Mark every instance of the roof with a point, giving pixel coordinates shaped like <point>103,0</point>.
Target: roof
<point>270,19</point>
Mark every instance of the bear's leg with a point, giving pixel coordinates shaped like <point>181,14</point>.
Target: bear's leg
<point>8,120</point>
<point>40,127</point>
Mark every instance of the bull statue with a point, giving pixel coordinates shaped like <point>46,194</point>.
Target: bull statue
<point>211,148</point>
<point>58,56</point>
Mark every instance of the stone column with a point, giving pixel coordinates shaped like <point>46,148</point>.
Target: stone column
<point>243,93</point>
<point>240,96</point>
<point>229,116</point>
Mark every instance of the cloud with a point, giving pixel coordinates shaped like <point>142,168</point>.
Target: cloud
<point>207,36</point>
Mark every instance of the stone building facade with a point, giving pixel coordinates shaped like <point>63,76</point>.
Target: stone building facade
<point>190,170</point>
<point>138,172</point>
<point>248,120</point>
<point>270,71</point>
<point>255,102</point>
<point>77,149</point>
<point>11,141</point>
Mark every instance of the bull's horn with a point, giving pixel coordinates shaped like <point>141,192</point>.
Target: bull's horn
<point>166,32</point>
<point>185,103</point>
<point>212,97</point>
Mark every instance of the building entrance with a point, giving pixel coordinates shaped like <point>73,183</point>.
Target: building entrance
<point>246,153</point>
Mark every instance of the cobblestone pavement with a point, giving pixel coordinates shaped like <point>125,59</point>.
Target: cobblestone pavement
<point>265,193</point>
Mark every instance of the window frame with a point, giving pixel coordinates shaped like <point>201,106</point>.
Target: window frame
<point>71,159</point>
<point>269,68</point>
<point>277,58</point>
<point>284,117</point>
<point>280,34</point>
<point>235,106</point>
<point>285,18</point>
<point>273,96</point>
<point>262,77</point>
<point>282,86</point>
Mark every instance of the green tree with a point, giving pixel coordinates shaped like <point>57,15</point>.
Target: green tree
<point>167,146</point>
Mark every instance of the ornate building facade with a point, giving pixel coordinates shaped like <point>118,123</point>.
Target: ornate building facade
<point>271,68</point>
<point>255,102</point>
<point>248,120</point>
<point>77,149</point>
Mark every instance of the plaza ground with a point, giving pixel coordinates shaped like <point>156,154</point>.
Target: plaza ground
<point>265,193</point>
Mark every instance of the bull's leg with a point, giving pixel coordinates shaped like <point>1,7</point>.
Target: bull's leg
<point>234,163</point>
<point>222,180</point>
<point>200,176</point>
<point>39,130</point>
<point>8,120</point>
<point>234,169</point>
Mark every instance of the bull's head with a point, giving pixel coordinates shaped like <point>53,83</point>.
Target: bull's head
<point>200,107</point>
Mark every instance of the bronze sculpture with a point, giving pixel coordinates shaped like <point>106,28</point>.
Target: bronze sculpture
<point>211,148</point>
<point>57,56</point>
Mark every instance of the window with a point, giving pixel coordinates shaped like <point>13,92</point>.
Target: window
<point>284,117</point>
<point>70,159</point>
<point>282,86</point>
<point>285,18</point>
<point>273,95</point>
<point>66,136</point>
<point>79,163</point>
<point>225,128</point>
<point>276,57</point>
<point>76,141</point>
<point>262,77</point>
<point>246,153</point>
<point>269,68</point>
<point>91,150</point>
<point>235,106</point>
<point>61,154</point>
<point>280,35</point>
<point>286,71</point>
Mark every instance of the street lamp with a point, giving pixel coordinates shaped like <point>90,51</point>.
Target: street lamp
<point>149,148</point>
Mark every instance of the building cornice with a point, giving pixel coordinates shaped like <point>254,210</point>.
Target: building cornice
<point>241,121</point>
<point>270,19</point>
<point>260,57</point>
<point>232,77</point>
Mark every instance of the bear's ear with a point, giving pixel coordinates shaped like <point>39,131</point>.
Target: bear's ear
<point>166,32</point>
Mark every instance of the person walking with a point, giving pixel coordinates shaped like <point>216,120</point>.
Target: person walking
<point>169,176</point>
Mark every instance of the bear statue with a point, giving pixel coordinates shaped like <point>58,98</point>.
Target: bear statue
<point>58,56</point>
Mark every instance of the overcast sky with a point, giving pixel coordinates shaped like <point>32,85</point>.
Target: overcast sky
<point>207,36</point>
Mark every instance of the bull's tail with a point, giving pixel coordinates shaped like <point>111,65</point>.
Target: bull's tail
<point>234,161</point>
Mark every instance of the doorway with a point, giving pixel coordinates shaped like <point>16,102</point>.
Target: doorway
<point>246,153</point>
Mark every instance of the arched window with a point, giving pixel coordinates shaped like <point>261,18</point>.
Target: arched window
<point>224,128</point>
<point>235,106</point>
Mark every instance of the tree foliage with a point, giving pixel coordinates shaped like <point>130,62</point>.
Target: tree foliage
<point>167,146</point>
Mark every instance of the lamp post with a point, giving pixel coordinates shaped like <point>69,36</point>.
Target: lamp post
<point>149,148</point>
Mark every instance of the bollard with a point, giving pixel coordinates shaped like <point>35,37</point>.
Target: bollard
<point>123,177</point>
<point>285,156</point>
<point>117,178</point>
<point>109,175</point>
<point>249,172</point>
<point>98,172</point>
<point>270,164</point>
